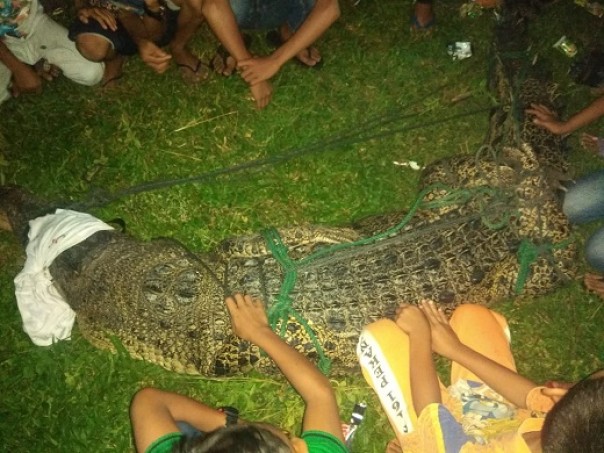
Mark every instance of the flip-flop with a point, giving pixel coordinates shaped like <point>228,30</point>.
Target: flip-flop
<point>112,82</point>
<point>273,38</point>
<point>219,62</point>
<point>193,75</point>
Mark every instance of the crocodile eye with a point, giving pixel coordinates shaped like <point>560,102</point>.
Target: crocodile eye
<point>187,286</point>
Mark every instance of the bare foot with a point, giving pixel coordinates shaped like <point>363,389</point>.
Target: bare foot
<point>594,283</point>
<point>191,68</point>
<point>309,57</point>
<point>223,63</point>
<point>592,144</point>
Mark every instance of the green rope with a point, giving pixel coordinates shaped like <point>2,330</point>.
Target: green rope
<point>528,252</point>
<point>281,310</point>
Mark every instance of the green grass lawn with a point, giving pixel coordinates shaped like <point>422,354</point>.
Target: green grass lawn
<point>380,97</point>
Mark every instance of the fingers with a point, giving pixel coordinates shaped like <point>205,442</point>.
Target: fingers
<point>240,301</point>
<point>159,61</point>
<point>105,18</point>
<point>433,313</point>
<point>540,109</point>
<point>555,394</point>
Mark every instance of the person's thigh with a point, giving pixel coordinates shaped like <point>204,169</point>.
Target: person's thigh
<point>23,49</point>
<point>594,250</point>
<point>270,14</point>
<point>60,51</point>
<point>383,352</point>
<point>120,40</point>
<point>298,12</point>
<point>584,200</point>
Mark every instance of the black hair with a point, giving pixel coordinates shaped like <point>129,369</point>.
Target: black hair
<point>576,422</point>
<point>244,438</point>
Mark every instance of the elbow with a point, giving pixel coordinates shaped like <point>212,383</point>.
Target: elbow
<point>323,390</point>
<point>142,398</point>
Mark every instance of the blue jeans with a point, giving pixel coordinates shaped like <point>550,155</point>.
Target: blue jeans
<point>584,202</point>
<point>271,14</point>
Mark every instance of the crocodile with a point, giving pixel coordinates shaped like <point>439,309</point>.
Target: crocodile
<point>485,227</point>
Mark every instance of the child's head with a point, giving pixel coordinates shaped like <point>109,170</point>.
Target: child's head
<point>576,422</point>
<point>243,438</point>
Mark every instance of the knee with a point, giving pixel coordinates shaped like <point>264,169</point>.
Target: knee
<point>91,73</point>
<point>594,250</point>
<point>93,48</point>
<point>465,312</point>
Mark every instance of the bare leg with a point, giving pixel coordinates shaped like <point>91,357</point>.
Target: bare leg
<point>113,72</point>
<point>97,49</point>
<point>309,56</point>
<point>191,67</point>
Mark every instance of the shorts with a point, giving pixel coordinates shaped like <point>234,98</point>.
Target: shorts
<point>120,39</point>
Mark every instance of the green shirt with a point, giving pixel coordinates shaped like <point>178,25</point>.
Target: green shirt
<point>165,443</point>
<point>322,442</point>
<point>316,441</point>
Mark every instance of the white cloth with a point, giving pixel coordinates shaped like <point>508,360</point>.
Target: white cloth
<point>46,316</point>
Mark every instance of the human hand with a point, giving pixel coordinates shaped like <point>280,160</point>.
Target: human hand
<point>103,16</point>
<point>25,80</point>
<point>46,70</point>
<point>262,93</point>
<point>258,69</point>
<point>556,389</point>
<point>412,321</point>
<point>444,339</point>
<point>156,58</point>
<point>546,118</point>
<point>248,316</point>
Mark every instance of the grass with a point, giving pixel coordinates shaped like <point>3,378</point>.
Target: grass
<point>72,139</point>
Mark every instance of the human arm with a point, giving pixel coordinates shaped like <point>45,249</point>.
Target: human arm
<point>321,17</point>
<point>249,321</point>
<point>549,120</point>
<point>445,342</point>
<point>221,20</point>
<point>154,412</point>
<point>144,30</point>
<point>425,388</point>
<point>24,77</point>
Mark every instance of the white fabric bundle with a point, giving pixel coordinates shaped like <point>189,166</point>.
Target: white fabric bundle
<point>46,316</point>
